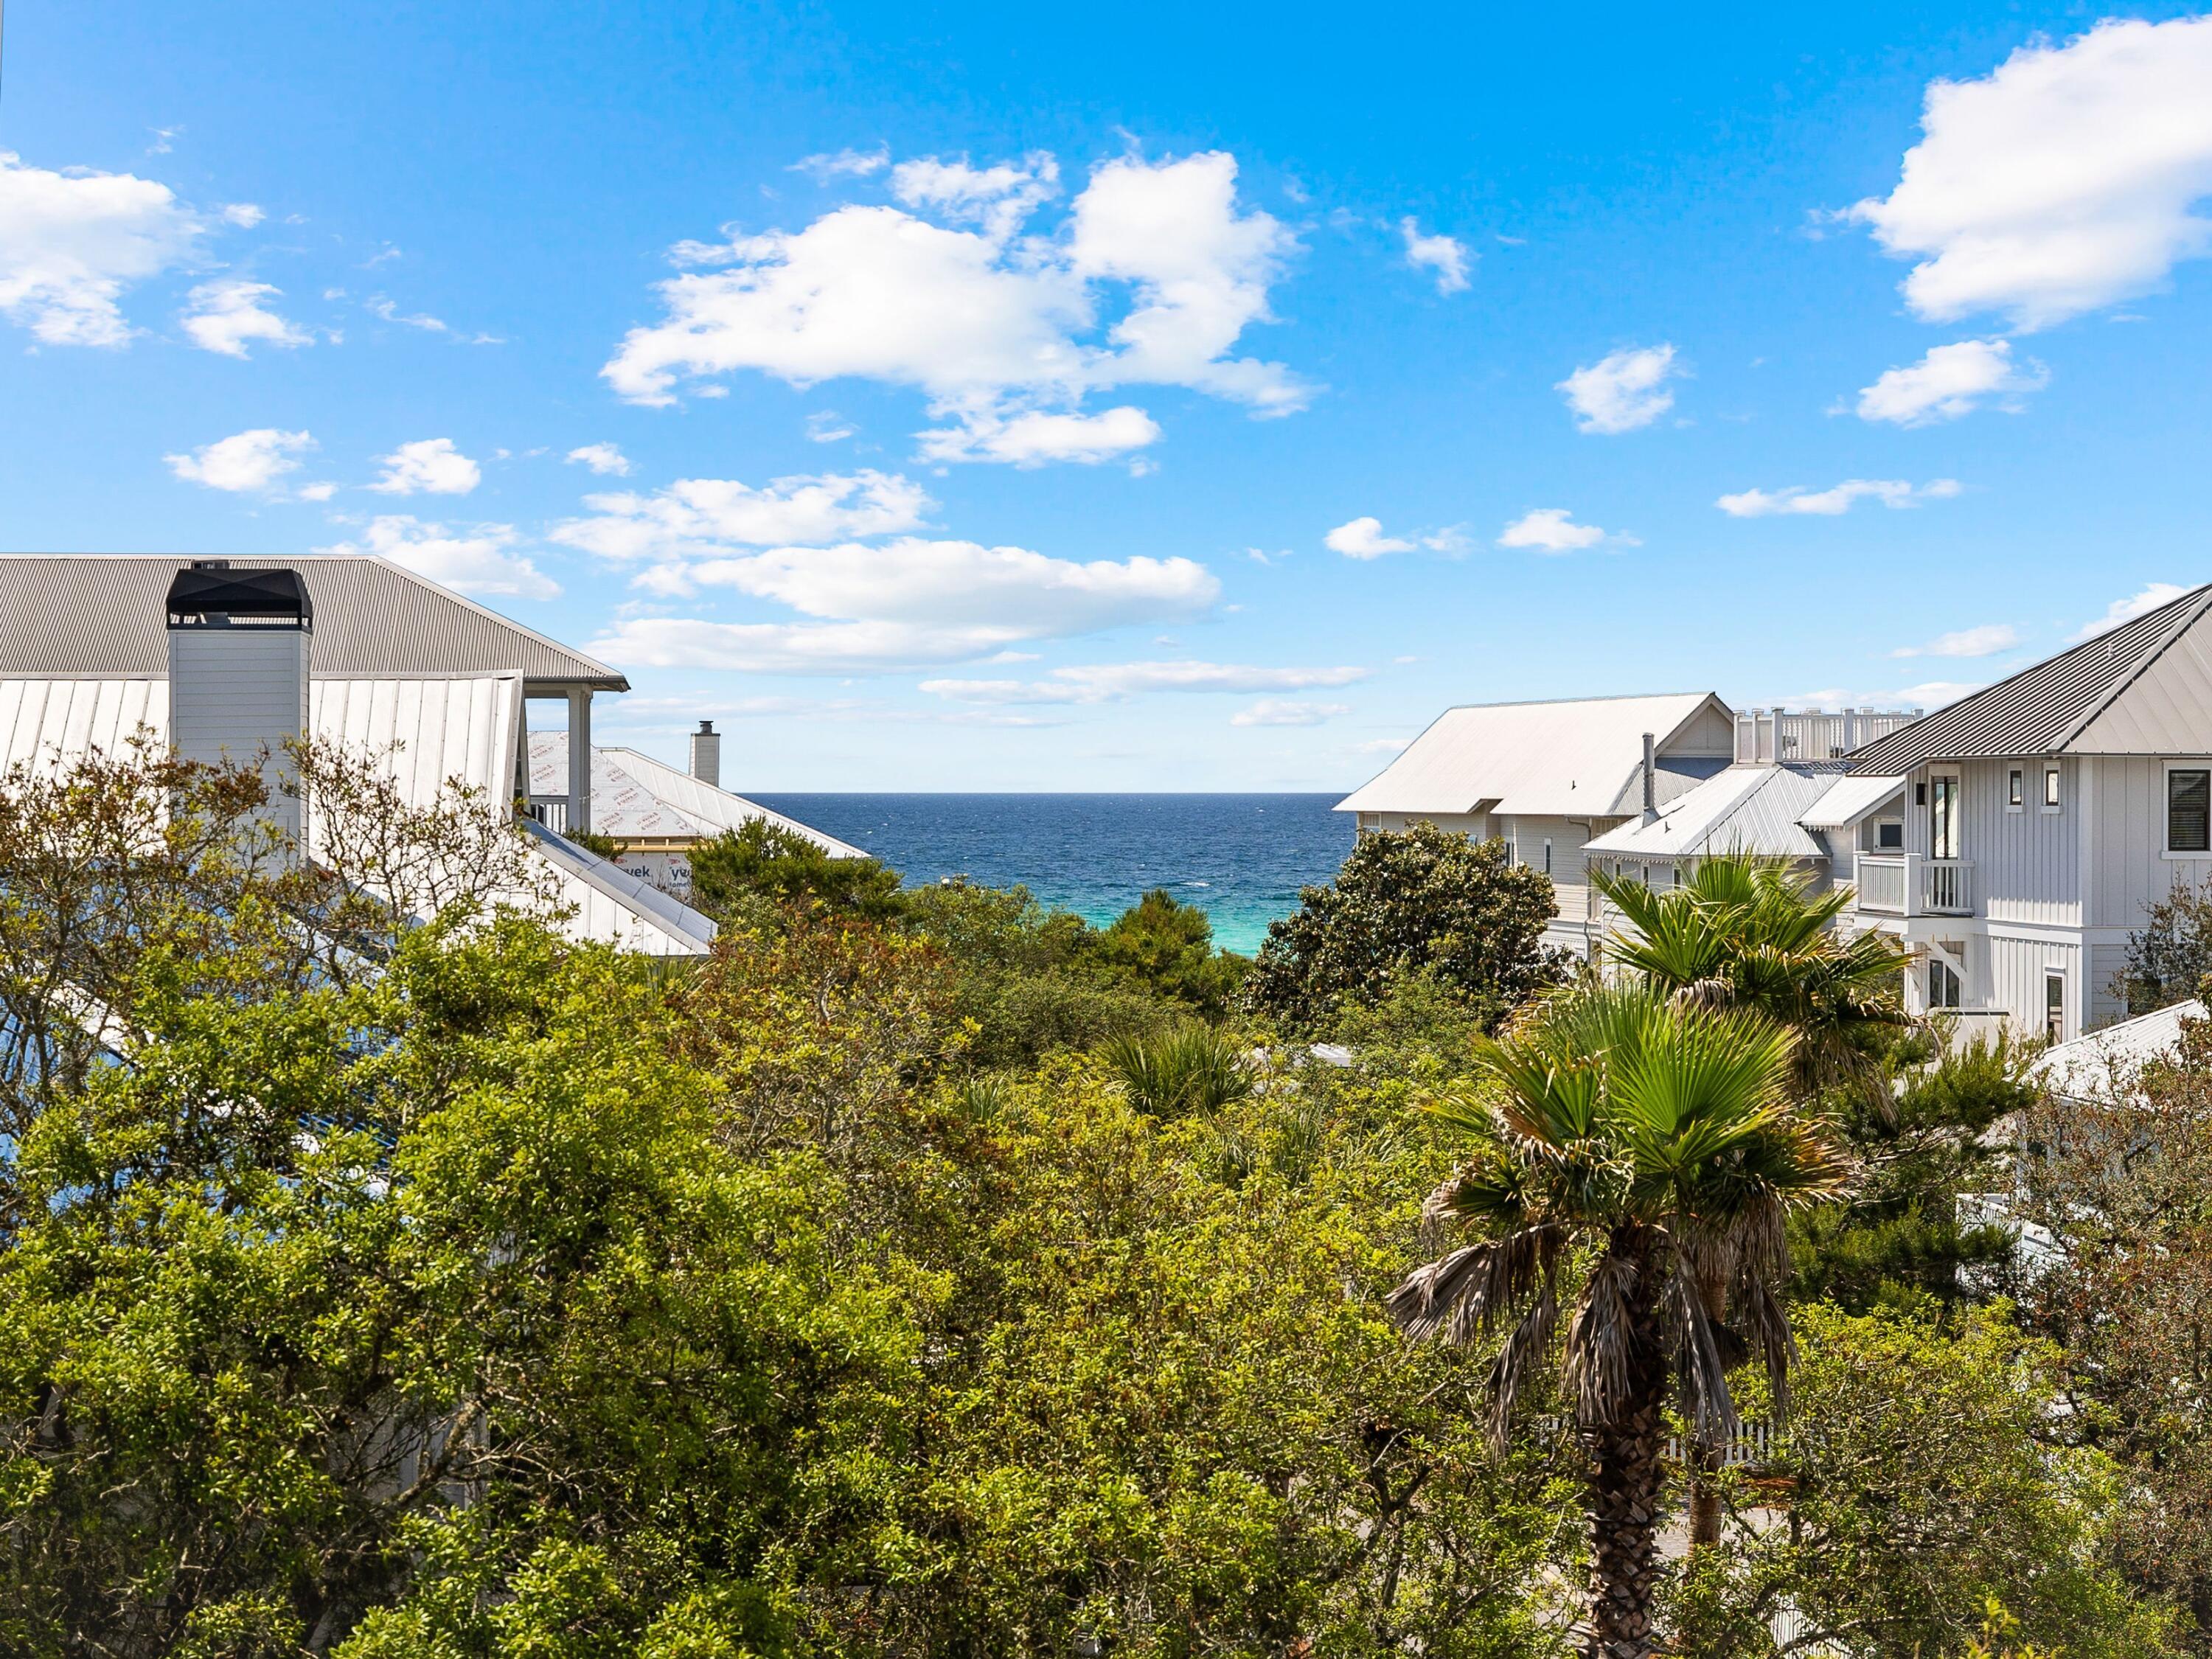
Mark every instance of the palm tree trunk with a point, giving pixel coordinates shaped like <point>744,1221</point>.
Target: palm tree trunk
<point>1624,1503</point>
<point>1705,1457</point>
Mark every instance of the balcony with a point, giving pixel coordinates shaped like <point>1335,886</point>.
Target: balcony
<point>1907,884</point>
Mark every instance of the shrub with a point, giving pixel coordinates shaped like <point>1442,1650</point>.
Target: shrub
<point>1191,1071</point>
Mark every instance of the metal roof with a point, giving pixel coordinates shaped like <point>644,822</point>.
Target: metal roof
<point>2044,708</point>
<point>1578,758</point>
<point>636,797</point>
<point>81,615</point>
<point>423,732</point>
<point>1850,798</point>
<point>2108,1064</point>
<point>1746,809</point>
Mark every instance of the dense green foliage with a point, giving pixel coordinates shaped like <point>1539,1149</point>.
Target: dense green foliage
<point>924,1274</point>
<point>763,861</point>
<point>1420,901</point>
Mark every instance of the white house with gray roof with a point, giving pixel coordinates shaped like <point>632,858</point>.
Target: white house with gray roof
<point>238,656</point>
<point>2038,820</point>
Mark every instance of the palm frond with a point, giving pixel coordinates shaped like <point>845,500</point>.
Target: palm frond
<point>1606,1340</point>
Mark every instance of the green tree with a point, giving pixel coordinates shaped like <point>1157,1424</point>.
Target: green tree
<point>2170,955</point>
<point>1923,1480</point>
<point>1633,1152</point>
<point>414,1316</point>
<point>764,863</point>
<point>1167,948</point>
<point>1422,900</point>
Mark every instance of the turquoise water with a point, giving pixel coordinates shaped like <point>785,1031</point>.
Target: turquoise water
<point>1241,859</point>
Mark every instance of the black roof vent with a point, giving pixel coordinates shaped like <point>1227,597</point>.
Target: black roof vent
<point>209,593</point>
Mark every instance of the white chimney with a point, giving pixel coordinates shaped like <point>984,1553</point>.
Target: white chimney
<point>1650,778</point>
<point>707,754</point>
<point>238,676</point>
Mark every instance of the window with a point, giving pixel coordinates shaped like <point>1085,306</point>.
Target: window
<point>2016,795</point>
<point>2054,1002</point>
<point>1889,835</point>
<point>1943,987</point>
<point>2050,789</point>
<point>1547,855</point>
<point>1942,817</point>
<point>2189,809</point>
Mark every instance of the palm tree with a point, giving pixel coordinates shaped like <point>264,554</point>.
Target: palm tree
<point>1628,1150</point>
<point>1747,932</point>
<point>1744,932</point>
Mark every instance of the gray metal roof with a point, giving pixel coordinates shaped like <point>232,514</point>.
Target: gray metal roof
<point>1745,809</point>
<point>101,614</point>
<point>2041,709</point>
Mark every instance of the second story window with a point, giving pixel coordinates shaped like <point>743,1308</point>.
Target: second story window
<point>2189,808</point>
<point>2050,789</point>
<point>1889,835</point>
<point>2014,795</point>
<point>1942,817</point>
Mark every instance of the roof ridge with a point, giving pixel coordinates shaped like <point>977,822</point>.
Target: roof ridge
<point>2204,596</point>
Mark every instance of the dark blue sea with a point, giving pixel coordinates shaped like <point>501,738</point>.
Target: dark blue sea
<point>1242,859</point>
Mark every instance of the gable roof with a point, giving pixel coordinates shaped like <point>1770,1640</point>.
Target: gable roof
<point>636,797</point>
<point>1849,798</point>
<point>1746,809</point>
<point>2050,707</point>
<point>1577,758</point>
<point>104,615</point>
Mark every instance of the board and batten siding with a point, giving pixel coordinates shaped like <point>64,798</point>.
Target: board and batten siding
<point>2028,862</point>
<point>2129,869</point>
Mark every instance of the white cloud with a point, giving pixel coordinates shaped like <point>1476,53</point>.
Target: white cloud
<point>1928,696</point>
<point>228,315</point>
<point>1985,641</point>
<point>1445,255</point>
<point>1093,683</point>
<point>482,561</point>
<point>842,164</point>
<point>1623,392</point>
<point>1281,711</point>
<point>602,458</point>
<point>2064,180</point>
<point>244,214</point>
<point>431,465</point>
<point>1363,538</point>
<point>824,427</point>
<point>2126,610</point>
<point>316,492</point>
<point>1033,437</point>
<point>1835,500</point>
<point>1380,745</point>
<point>384,307</point>
<point>1553,530</point>
<point>1009,592</point>
<point>245,463</point>
<point>854,648</point>
<point>71,242</point>
<point>997,197</point>
<point>701,518</point>
<point>1952,380</point>
<point>1153,279</point>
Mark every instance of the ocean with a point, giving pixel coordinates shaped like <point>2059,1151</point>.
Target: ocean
<point>1241,859</point>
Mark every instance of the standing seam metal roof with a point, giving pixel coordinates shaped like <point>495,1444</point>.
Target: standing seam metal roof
<point>2042,709</point>
<point>104,615</point>
<point>1747,809</point>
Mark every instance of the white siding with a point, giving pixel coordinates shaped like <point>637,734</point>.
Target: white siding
<point>2027,863</point>
<point>2129,866</point>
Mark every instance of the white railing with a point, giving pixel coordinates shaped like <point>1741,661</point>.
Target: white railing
<point>551,811</point>
<point>1908,885</point>
<point>1764,736</point>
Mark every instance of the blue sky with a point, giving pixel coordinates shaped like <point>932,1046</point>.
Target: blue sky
<point>970,397</point>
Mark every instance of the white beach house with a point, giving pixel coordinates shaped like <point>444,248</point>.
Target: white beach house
<point>237,656</point>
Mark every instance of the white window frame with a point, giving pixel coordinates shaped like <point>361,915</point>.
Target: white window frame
<point>2054,976</point>
<point>2054,788</point>
<point>1951,977</point>
<point>1957,794</point>
<point>2166,809</point>
<point>2016,788</point>
<point>1879,845</point>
